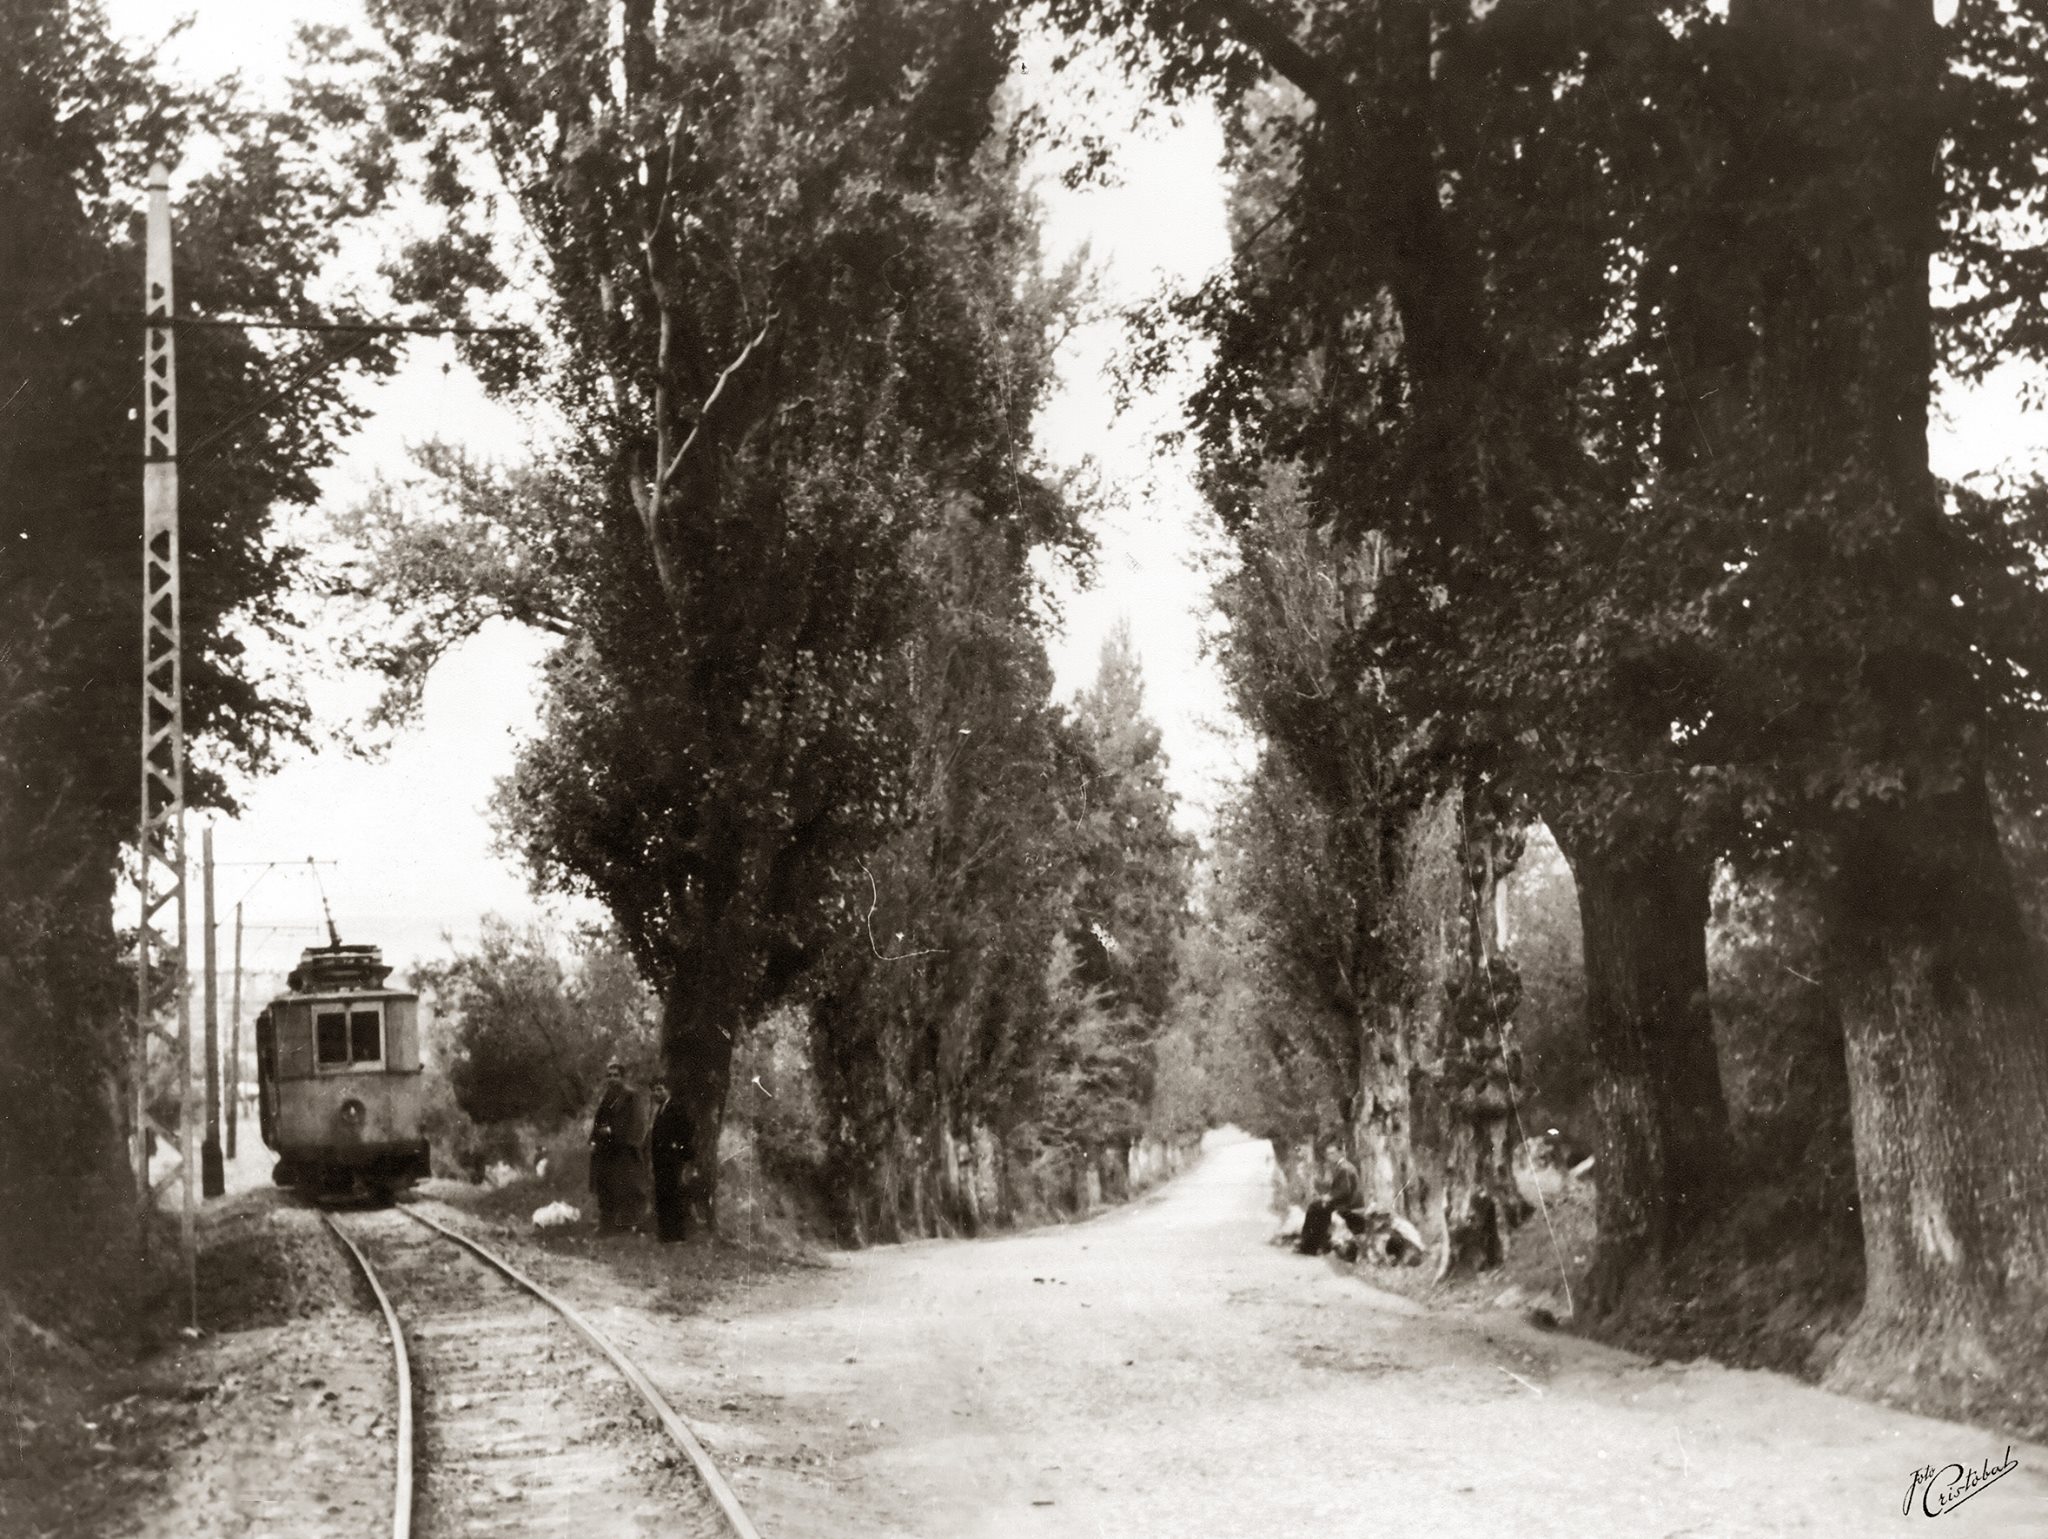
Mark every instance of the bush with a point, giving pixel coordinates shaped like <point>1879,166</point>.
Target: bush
<point>524,1034</point>
<point>463,1149</point>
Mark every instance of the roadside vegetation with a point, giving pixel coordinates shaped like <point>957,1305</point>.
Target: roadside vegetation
<point>858,1109</point>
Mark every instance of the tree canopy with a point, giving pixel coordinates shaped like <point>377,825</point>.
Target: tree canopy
<point>81,117</point>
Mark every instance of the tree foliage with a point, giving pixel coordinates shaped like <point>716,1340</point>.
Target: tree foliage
<point>1133,898</point>
<point>967,1012</point>
<point>932,1014</point>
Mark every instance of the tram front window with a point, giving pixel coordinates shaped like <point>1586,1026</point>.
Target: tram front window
<point>330,1029</point>
<point>365,1036</point>
<point>344,1037</point>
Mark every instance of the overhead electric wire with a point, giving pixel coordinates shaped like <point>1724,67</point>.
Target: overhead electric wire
<point>375,328</point>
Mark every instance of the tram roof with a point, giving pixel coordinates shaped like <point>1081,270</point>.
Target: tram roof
<point>339,969</point>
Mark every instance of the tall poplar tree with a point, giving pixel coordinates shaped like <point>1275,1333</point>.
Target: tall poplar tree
<point>788,280</point>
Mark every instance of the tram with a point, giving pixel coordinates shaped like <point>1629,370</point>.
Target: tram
<point>339,1091</point>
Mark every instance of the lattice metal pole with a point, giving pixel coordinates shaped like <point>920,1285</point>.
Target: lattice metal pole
<point>161,862</point>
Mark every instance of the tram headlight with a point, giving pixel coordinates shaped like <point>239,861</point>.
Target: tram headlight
<point>352,1112</point>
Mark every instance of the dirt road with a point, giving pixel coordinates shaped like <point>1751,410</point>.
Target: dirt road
<point>1162,1371</point>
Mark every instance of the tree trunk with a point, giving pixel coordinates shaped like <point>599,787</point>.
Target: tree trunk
<point>1942,993</point>
<point>1942,1010</point>
<point>1394,1173</point>
<point>699,1022</point>
<point>1662,1146</point>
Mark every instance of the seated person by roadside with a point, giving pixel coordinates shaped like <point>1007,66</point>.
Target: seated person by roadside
<point>1339,1197</point>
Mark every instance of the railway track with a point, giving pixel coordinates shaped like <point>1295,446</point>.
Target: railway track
<point>516,1415</point>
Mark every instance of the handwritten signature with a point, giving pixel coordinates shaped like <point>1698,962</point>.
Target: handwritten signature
<point>1939,1490</point>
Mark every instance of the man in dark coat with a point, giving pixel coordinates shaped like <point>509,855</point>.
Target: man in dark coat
<point>614,1152</point>
<point>674,1147</point>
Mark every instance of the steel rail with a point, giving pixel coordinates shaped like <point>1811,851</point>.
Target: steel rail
<point>721,1493</point>
<point>401,1499</point>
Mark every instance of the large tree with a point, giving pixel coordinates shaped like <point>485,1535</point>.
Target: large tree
<point>1372,888</point>
<point>788,279</point>
<point>1891,631</point>
<point>81,117</point>
<point>929,1018</point>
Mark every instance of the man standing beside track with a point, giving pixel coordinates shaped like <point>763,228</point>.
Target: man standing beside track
<point>674,1147</point>
<point>615,1153</point>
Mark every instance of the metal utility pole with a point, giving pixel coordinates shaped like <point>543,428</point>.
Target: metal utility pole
<point>160,861</point>
<point>160,874</point>
<point>213,1180</point>
<point>234,1084</point>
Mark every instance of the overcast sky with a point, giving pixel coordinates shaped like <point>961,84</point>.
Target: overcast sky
<point>407,834</point>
